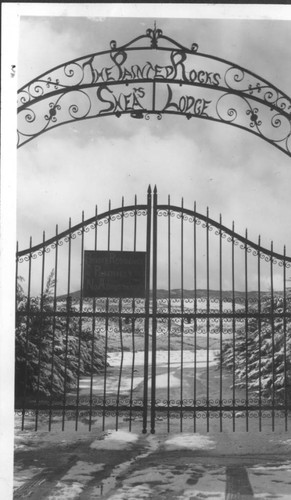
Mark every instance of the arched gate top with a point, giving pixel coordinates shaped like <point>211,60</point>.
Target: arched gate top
<point>192,216</point>
<point>154,75</point>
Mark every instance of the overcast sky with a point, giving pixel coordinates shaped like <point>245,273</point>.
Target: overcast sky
<point>75,166</point>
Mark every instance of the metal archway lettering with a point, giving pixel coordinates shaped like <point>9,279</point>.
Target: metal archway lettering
<point>168,78</point>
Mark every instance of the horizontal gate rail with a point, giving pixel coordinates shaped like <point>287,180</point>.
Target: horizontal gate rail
<point>184,317</point>
<point>213,407</point>
<point>240,407</point>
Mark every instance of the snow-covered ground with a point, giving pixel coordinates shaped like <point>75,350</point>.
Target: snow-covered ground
<point>162,381</point>
<point>163,358</point>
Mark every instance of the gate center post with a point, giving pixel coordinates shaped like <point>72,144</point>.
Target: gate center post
<point>147,309</point>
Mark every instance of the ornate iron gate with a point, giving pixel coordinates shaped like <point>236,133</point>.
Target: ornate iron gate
<point>211,338</point>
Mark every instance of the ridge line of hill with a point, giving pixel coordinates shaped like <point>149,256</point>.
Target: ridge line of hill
<point>189,294</point>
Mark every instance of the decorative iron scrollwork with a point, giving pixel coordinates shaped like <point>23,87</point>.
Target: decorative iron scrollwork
<point>196,85</point>
<point>220,230</point>
<point>113,215</point>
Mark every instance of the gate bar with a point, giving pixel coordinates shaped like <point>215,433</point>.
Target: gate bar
<point>27,335</point>
<point>154,309</point>
<point>182,312</point>
<point>195,313</point>
<point>54,331</point>
<point>247,333</point>
<point>147,309</point>
<point>106,325</point>
<point>169,318</point>
<point>207,320</point>
<point>133,323</point>
<point>120,323</point>
<point>80,326</point>
<point>273,339</point>
<point>69,305</point>
<point>233,327</point>
<point>260,335</point>
<point>221,324</point>
<point>93,330</point>
<point>285,343</point>
<point>41,325</point>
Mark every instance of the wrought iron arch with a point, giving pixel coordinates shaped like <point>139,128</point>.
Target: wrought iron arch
<point>113,83</point>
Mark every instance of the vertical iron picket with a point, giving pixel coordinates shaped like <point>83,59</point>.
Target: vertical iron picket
<point>133,363</point>
<point>260,334</point>
<point>27,335</point>
<point>207,319</point>
<point>16,273</point>
<point>286,402</point>
<point>69,310</point>
<point>169,317</point>
<point>121,363</point>
<point>221,321</point>
<point>247,333</point>
<point>120,323</point>
<point>80,323</point>
<point>133,321</point>
<point>17,295</point>
<point>54,329</point>
<point>106,328</point>
<point>182,314</point>
<point>154,311</point>
<point>233,327</point>
<point>147,309</point>
<point>93,329</point>
<point>195,313</point>
<point>41,320</point>
<point>273,337</point>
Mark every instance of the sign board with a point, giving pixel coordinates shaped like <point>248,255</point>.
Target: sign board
<point>114,274</point>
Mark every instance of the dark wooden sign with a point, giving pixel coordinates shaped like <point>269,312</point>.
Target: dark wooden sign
<point>114,274</point>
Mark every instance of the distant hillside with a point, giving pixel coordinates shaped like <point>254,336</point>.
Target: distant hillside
<point>176,293</point>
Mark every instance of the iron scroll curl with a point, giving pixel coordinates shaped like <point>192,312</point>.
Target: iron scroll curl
<point>154,75</point>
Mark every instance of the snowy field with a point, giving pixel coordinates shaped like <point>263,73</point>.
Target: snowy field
<point>163,358</point>
<point>115,359</point>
